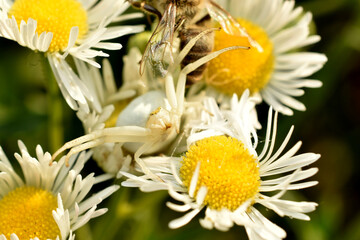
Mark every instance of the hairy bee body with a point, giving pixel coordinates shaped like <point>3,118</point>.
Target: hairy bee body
<point>189,18</point>
<point>184,8</point>
<point>187,11</point>
<point>202,47</point>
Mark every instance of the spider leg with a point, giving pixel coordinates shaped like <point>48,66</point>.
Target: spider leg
<point>188,47</point>
<point>82,147</point>
<point>115,134</point>
<point>142,164</point>
<point>170,91</point>
<point>78,141</point>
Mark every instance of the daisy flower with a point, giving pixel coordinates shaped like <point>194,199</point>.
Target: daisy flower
<point>150,122</point>
<point>66,27</point>
<point>108,102</point>
<point>280,68</point>
<point>223,173</point>
<point>103,85</point>
<point>48,202</point>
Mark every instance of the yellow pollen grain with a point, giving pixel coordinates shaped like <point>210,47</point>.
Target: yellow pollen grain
<point>237,70</point>
<point>56,16</point>
<point>27,212</point>
<point>227,169</point>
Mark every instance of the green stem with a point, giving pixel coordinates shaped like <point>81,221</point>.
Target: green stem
<point>84,233</point>
<point>55,113</point>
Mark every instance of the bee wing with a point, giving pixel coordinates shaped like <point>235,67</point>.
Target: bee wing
<point>160,41</point>
<point>229,24</point>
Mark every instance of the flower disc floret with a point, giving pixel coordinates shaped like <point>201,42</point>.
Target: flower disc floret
<point>58,17</point>
<point>227,169</point>
<point>27,212</point>
<point>236,71</point>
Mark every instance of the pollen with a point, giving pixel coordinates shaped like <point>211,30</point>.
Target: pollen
<point>27,212</point>
<point>228,171</point>
<point>237,70</point>
<point>56,16</point>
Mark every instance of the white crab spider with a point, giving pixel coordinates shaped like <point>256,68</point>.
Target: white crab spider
<point>154,130</point>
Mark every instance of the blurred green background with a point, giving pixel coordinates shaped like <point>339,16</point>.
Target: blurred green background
<point>330,126</point>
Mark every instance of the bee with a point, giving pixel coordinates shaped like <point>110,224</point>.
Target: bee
<point>188,18</point>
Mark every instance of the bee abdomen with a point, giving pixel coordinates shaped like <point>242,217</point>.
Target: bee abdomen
<point>201,48</point>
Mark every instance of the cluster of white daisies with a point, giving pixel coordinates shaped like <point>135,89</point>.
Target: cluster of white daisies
<point>198,141</point>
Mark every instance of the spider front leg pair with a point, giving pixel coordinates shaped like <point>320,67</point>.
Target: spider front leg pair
<point>151,121</point>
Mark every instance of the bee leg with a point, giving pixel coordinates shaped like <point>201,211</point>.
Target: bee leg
<point>179,23</point>
<point>148,18</point>
<point>146,8</point>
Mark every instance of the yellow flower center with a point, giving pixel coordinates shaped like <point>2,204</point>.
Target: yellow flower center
<point>27,212</point>
<point>119,107</point>
<point>56,16</point>
<point>234,71</point>
<point>228,171</point>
